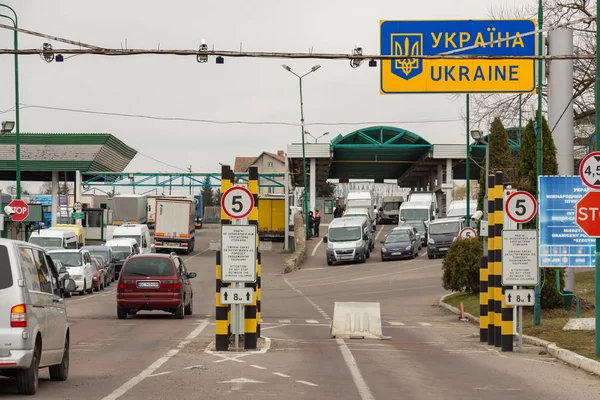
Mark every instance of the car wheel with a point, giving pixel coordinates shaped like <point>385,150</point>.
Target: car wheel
<point>112,277</point>
<point>82,293</point>
<point>412,255</point>
<point>368,254</point>
<point>28,379</point>
<point>430,256</point>
<point>102,285</point>
<point>363,259</point>
<point>121,313</point>
<point>60,372</point>
<point>179,312</point>
<point>189,309</point>
<point>329,262</point>
<point>91,289</point>
<point>67,294</point>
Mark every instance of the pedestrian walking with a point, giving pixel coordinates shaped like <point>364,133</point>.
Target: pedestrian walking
<point>317,222</point>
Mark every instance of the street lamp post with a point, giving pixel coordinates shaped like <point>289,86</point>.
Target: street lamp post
<point>313,69</point>
<point>316,138</point>
<point>17,114</point>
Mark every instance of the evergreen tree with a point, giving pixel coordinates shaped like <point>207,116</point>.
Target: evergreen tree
<point>527,180</point>
<point>207,193</point>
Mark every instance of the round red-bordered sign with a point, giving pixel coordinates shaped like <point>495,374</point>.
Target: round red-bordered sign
<point>467,233</point>
<point>589,170</point>
<point>237,202</point>
<point>521,207</point>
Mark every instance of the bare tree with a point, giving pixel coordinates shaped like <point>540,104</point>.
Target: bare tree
<point>63,188</point>
<point>487,106</point>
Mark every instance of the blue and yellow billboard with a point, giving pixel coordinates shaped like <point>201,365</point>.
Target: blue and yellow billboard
<point>407,74</point>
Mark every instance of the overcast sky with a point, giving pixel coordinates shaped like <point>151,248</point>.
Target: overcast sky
<point>239,90</point>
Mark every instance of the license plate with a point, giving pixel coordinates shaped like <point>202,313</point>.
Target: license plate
<point>397,253</point>
<point>148,284</point>
<point>444,248</point>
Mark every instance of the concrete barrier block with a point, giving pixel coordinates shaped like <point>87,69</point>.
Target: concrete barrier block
<point>357,320</point>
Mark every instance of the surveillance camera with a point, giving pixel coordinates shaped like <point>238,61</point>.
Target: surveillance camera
<point>477,216</point>
<point>9,211</point>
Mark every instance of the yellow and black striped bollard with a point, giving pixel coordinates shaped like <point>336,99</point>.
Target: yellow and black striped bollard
<point>222,314</point>
<point>491,259</point>
<point>250,314</point>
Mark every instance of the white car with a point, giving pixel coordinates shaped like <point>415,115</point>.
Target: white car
<point>79,265</point>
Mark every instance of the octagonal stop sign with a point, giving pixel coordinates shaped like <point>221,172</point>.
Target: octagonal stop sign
<point>587,214</point>
<point>20,208</point>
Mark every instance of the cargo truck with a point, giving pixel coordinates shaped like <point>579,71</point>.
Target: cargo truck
<point>130,209</point>
<point>271,217</point>
<point>151,217</point>
<point>174,228</point>
<point>199,210</point>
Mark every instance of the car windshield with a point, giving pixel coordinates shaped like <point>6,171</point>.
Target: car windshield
<point>345,234</point>
<point>68,259</point>
<point>395,237</point>
<point>121,252</point>
<point>46,241</point>
<point>443,227</point>
<point>393,206</point>
<point>148,266</point>
<point>101,256</point>
<point>417,224</point>
<point>421,214</point>
<point>138,239</point>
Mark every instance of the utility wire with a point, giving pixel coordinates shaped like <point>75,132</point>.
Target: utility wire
<point>238,122</point>
<point>162,162</point>
<point>55,38</point>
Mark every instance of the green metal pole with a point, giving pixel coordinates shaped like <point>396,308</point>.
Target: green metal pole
<point>304,164</point>
<point>520,134</point>
<point>468,165</point>
<point>597,240</point>
<point>537,309</point>
<point>17,113</point>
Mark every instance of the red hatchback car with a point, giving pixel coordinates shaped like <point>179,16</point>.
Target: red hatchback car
<point>155,282</point>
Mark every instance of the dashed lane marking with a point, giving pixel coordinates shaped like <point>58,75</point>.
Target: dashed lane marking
<point>307,383</point>
<point>282,375</point>
<point>424,323</point>
<point>284,321</point>
<point>257,366</point>
<point>394,323</point>
<point>312,321</point>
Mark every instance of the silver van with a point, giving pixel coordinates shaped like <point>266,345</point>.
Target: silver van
<point>348,240</point>
<point>34,332</point>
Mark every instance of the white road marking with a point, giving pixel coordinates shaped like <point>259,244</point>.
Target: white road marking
<point>424,323</point>
<point>307,383</point>
<point>225,357</point>
<point>394,323</point>
<point>130,384</point>
<point>282,375</point>
<point>378,233</point>
<point>193,367</point>
<point>312,321</point>
<point>284,321</point>
<point>316,247</point>
<point>257,366</point>
<point>359,381</point>
<point>159,374</point>
<point>273,327</point>
<point>201,252</point>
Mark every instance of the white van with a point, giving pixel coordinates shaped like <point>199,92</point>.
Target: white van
<point>34,329</point>
<point>347,240</point>
<point>140,233</point>
<point>53,239</point>
<point>362,213</point>
<point>122,248</point>
<point>417,211</point>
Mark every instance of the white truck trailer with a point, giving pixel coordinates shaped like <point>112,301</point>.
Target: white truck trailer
<point>174,227</point>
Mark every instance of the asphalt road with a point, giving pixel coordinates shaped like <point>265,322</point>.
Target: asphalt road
<point>429,353</point>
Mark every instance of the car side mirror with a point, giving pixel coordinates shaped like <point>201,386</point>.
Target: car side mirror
<point>324,239</point>
<point>381,241</point>
<point>191,275</point>
<point>70,285</point>
<point>380,208</point>
<point>365,237</point>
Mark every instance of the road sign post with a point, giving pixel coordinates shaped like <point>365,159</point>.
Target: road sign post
<point>20,209</point>
<point>238,256</point>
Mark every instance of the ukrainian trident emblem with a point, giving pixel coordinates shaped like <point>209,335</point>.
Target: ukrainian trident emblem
<point>407,46</point>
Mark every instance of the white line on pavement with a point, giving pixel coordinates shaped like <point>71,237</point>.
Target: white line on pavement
<point>257,367</point>
<point>284,321</point>
<point>282,375</point>
<point>424,323</point>
<point>130,384</point>
<point>316,247</point>
<point>312,321</point>
<point>378,233</point>
<point>307,383</point>
<point>359,381</point>
<point>201,252</point>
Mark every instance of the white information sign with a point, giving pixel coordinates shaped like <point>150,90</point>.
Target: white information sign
<point>238,253</point>
<point>519,297</point>
<point>520,257</point>
<point>237,295</point>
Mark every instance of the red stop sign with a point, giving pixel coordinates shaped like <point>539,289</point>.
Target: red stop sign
<point>20,208</point>
<point>587,214</point>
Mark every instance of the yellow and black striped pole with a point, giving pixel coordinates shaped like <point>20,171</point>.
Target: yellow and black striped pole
<point>222,314</point>
<point>483,299</point>
<point>491,260</point>
<point>498,216</point>
<point>258,293</point>
<point>507,315</point>
<point>250,337</point>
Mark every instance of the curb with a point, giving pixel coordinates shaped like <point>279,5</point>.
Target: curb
<point>566,356</point>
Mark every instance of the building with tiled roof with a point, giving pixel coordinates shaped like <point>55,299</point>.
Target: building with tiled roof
<point>267,163</point>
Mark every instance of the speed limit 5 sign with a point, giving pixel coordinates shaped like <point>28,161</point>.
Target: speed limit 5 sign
<point>237,202</point>
<point>521,207</point>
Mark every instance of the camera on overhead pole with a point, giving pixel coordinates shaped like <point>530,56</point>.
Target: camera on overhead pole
<point>358,51</point>
<point>202,58</point>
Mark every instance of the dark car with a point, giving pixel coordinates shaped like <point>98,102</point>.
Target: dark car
<point>399,243</point>
<point>421,228</point>
<point>106,256</point>
<point>155,282</point>
<point>442,233</point>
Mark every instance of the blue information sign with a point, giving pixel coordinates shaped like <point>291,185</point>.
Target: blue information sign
<point>562,242</point>
<point>407,74</point>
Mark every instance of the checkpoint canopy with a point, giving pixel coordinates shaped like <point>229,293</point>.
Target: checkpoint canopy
<point>42,153</point>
